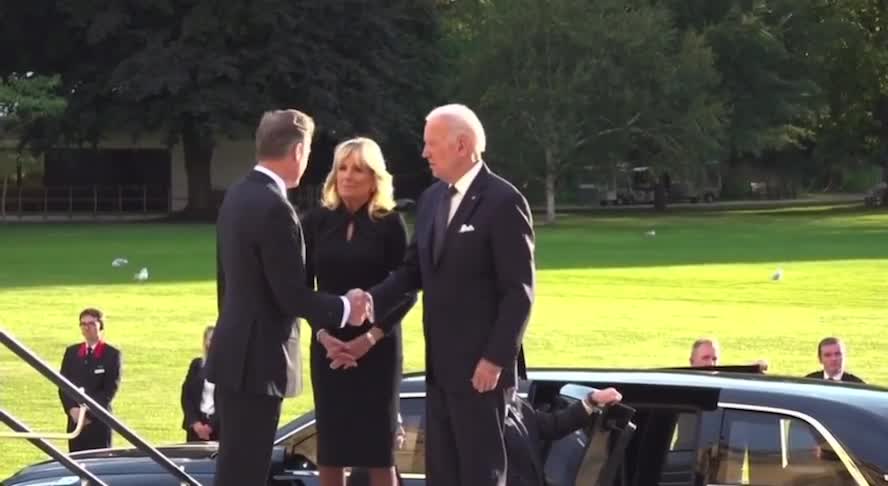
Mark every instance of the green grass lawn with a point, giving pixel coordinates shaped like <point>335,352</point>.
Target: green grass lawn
<point>608,296</point>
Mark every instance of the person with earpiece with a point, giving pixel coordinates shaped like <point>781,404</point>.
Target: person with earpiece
<point>94,366</point>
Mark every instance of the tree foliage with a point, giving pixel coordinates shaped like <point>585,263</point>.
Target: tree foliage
<point>200,70</point>
<point>556,79</point>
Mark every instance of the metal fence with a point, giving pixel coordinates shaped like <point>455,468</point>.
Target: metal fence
<point>81,201</point>
<point>124,202</point>
<point>97,411</point>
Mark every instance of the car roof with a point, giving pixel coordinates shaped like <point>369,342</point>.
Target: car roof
<point>869,397</point>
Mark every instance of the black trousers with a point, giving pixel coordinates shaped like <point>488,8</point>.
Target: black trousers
<point>464,437</point>
<point>246,440</point>
<point>94,435</point>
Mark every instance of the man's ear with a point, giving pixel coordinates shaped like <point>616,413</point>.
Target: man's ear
<point>297,151</point>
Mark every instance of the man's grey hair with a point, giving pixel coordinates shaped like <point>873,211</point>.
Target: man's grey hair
<point>465,120</point>
<point>703,341</point>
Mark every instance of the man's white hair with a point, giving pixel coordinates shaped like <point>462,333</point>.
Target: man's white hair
<point>467,119</point>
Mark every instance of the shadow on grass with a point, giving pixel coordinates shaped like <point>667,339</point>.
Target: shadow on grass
<point>81,254</point>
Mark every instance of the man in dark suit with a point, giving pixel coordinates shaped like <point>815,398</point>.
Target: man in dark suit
<point>831,353</point>
<point>472,255</point>
<point>528,431</point>
<point>254,358</point>
<point>94,366</point>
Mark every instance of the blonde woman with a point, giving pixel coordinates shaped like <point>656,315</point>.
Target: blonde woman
<point>200,420</point>
<point>353,241</point>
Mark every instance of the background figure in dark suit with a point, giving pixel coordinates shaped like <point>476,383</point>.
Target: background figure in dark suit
<point>528,431</point>
<point>95,366</point>
<point>254,357</point>
<point>354,240</point>
<point>831,354</point>
<point>472,255</point>
<point>199,418</point>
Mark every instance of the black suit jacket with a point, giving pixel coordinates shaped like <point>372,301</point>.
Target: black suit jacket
<point>528,431</point>
<point>192,394</point>
<point>99,376</point>
<point>261,287</point>
<point>477,298</point>
<point>846,377</point>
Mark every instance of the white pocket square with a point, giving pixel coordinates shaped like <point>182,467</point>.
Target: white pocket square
<point>466,228</point>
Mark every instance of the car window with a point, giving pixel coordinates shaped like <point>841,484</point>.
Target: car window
<point>680,463</point>
<point>770,449</point>
<point>606,447</point>
<point>684,436</point>
<point>303,443</point>
<point>410,458</point>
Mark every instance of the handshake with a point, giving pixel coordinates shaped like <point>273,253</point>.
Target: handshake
<point>361,307</point>
<point>346,354</point>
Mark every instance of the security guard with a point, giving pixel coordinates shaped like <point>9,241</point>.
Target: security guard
<point>94,366</point>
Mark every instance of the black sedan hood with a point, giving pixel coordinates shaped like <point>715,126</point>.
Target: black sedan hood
<point>197,459</point>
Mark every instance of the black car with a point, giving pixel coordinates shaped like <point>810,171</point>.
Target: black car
<point>689,427</point>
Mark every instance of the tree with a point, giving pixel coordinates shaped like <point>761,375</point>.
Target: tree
<point>570,79</point>
<point>202,70</point>
<point>853,127</point>
<point>770,90</point>
<point>25,100</point>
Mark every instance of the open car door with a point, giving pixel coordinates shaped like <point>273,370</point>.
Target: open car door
<point>593,455</point>
<point>606,448</point>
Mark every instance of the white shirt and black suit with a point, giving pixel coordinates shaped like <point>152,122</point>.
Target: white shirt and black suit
<point>843,376</point>
<point>477,275</point>
<point>96,369</point>
<point>198,402</point>
<point>254,358</point>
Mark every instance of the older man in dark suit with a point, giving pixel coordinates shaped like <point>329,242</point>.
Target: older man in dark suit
<point>254,357</point>
<point>472,255</point>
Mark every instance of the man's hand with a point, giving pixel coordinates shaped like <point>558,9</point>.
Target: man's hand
<point>762,365</point>
<point>202,430</point>
<point>603,398</point>
<point>486,376</point>
<point>361,308</point>
<point>75,415</point>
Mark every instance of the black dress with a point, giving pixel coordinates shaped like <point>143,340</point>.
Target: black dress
<point>356,408</point>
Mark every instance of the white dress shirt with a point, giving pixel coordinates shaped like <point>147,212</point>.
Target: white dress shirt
<point>836,377</point>
<point>207,405</point>
<point>462,185</point>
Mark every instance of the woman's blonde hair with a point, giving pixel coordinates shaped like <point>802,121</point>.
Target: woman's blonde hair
<point>207,331</point>
<point>369,155</point>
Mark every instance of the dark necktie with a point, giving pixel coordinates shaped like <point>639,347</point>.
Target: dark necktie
<point>441,216</point>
